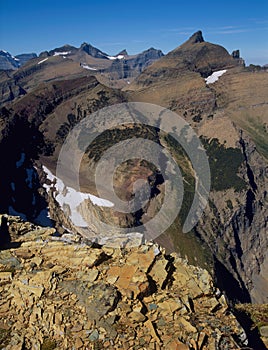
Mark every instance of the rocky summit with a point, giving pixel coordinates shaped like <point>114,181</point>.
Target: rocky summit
<point>61,292</point>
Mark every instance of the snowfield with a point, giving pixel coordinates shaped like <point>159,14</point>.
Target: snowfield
<point>215,76</point>
<point>87,67</point>
<point>69,196</point>
<point>44,60</point>
<point>119,57</point>
<point>56,53</point>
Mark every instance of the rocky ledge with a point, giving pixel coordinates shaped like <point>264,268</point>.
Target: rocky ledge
<point>62,292</point>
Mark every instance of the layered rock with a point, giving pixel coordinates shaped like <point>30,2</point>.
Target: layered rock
<point>62,292</point>
<point>132,66</point>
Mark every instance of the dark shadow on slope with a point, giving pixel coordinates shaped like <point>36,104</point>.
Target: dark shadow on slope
<point>254,340</point>
<point>226,282</point>
<point>5,239</point>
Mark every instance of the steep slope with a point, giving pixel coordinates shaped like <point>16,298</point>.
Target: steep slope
<point>132,66</point>
<point>37,124</point>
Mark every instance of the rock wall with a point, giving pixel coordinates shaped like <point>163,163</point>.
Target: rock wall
<point>235,227</point>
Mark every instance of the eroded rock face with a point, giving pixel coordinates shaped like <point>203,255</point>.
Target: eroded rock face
<point>132,66</point>
<point>71,294</point>
<point>238,233</point>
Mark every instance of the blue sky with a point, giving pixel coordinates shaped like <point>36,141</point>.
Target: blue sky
<point>38,25</point>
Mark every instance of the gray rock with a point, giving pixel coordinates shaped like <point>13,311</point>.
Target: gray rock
<point>264,331</point>
<point>94,335</point>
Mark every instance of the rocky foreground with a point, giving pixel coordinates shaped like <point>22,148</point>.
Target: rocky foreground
<point>61,292</point>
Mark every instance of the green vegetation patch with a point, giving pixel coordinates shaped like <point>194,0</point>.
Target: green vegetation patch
<point>111,136</point>
<point>258,132</point>
<point>224,165</point>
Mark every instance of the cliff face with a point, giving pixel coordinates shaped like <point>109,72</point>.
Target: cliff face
<point>132,66</point>
<point>235,226</point>
<point>60,292</point>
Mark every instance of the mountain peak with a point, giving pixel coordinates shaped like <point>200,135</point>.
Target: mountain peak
<point>92,51</point>
<point>123,52</point>
<point>197,37</point>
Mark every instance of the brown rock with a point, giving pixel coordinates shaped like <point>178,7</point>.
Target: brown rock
<point>23,254</point>
<point>78,343</point>
<point>5,276</point>
<point>186,325</point>
<point>158,271</point>
<point>152,330</point>
<point>136,317</point>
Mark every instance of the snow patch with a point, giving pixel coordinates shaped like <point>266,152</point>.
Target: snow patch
<point>87,67</point>
<point>119,57</point>
<point>56,53</point>
<point>44,60</point>
<point>215,76</point>
<point>67,196</point>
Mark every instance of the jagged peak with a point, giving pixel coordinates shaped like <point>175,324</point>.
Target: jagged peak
<point>197,37</point>
<point>123,52</point>
<point>85,45</point>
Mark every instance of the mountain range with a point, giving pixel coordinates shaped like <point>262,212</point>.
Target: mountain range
<point>225,102</point>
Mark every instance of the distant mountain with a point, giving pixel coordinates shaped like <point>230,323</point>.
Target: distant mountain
<point>7,61</point>
<point>114,71</point>
<point>93,51</point>
<point>193,56</point>
<point>25,57</point>
<point>124,66</point>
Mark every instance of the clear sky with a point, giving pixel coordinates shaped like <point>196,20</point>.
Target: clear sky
<point>39,25</point>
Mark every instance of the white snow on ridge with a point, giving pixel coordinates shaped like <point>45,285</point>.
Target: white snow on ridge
<point>87,67</point>
<point>119,57</point>
<point>69,196</point>
<point>44,60</point>
<point>56,53</point>
<point>215,76</point>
